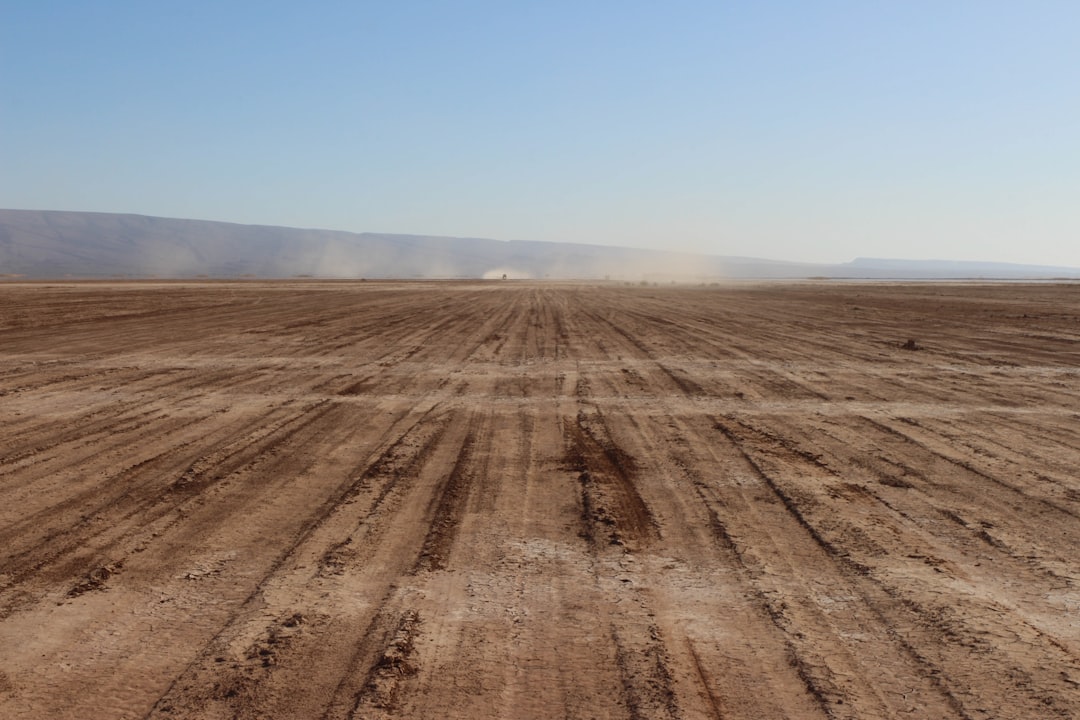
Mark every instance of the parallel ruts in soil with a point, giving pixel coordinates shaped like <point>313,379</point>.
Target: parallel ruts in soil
<point>501,499</point>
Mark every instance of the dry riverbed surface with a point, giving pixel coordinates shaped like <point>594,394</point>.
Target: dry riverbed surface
<point>527,500</point>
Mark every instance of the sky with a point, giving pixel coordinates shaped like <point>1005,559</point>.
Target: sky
<point>811,131</point>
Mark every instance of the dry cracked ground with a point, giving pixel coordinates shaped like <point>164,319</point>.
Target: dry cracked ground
<point>527,500</point>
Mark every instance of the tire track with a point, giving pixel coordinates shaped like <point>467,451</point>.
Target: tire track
<point>391,471</point>
<point>448,506</point>
<point>815,640</point>
<point>613,511</point>
<point>616,522</point>
<point>92,543</point>
<point>930,622</point>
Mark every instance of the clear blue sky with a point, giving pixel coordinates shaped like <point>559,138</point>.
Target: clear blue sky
<point>797,130</point>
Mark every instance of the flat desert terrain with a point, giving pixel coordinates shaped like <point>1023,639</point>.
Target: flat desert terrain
<point>528,500</point>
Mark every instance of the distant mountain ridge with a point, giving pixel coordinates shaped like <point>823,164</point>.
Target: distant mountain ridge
<point>57,244</point>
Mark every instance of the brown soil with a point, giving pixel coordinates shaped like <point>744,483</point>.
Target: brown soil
<point>511,500</point>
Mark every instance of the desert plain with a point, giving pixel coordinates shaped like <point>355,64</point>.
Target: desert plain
<point>303,499</point>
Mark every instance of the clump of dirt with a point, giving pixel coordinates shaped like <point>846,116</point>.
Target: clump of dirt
<point>95,579</point>
<point>278,636</point>
<point>396,664</point>
<point>894,481</point>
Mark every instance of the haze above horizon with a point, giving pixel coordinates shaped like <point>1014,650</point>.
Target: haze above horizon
<point>813,132</point>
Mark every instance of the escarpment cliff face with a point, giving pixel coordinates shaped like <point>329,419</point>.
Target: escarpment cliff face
<point>54,244</point>
<point>40,244</point>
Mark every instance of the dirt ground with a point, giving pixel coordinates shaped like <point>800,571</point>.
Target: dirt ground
<point>526,500</point>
